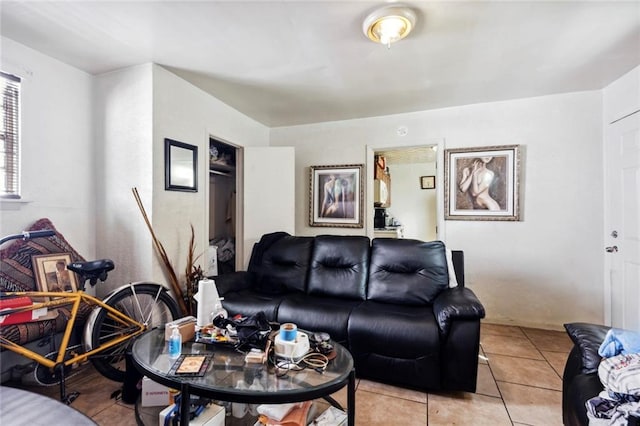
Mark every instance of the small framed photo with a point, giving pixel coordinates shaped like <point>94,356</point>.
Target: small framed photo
<point>336,196</point>
<point>427,182</point>
<point>482,183</point>
<point>180,166</point>
<point>51,272</point>
<point>191,365</point>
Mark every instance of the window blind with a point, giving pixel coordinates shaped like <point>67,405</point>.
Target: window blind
<point>9,136</point>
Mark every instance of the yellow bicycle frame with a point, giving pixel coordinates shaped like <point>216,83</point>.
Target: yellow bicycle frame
<point>74,299</point>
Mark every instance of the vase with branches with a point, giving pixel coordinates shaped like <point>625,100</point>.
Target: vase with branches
<point>193,274</point>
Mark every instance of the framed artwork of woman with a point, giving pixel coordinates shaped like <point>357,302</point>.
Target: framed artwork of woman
<point>482,183</point>
<point>336,196</point>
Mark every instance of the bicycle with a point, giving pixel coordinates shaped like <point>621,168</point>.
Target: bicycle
<point>123,314</point>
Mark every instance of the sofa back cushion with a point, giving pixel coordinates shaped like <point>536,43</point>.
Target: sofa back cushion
<point>284,265</point>
<point>408,272</point>
<point>339,266</point>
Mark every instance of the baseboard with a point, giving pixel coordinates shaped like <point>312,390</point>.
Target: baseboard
<point>525,324</point>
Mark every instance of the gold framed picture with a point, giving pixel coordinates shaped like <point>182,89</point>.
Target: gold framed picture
<point>51,272</point>
<point>482,183</point>
<point>336,196</point>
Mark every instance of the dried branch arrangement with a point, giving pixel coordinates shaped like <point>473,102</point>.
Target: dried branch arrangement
<point>173,278</point>
<point>192,273</point>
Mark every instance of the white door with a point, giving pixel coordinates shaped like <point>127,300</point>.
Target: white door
<point>268,192</point>
<point>622,222</point>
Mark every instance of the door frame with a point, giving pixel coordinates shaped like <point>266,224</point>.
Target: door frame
<point>369,167</point>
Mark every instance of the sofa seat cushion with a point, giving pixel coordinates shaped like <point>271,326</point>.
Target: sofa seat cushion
<point>390,341</point>
<point>250,302</point>
<point>339,266</point>
<point>407,272</point>
<point>315,313</point>
<point>394,330</point>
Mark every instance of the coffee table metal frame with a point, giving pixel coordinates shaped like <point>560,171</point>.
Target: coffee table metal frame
<point>188,385</point>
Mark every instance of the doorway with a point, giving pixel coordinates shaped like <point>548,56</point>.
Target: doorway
<point>410,207</point>
<point>241,206</point>
<point>223,216</point>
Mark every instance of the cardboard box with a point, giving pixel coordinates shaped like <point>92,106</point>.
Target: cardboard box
<point>213,415</point>
<point>186,327</point>
<point>19,317</point>
<point>154,394</point>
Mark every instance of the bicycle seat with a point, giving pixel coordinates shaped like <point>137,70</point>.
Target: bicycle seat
<point>93,270</point>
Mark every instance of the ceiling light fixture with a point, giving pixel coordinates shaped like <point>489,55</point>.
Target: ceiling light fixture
<point>389,24</point>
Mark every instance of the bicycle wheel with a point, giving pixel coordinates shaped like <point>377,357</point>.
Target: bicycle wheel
<point>147,303</point>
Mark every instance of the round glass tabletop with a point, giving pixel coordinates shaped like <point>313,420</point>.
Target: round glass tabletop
<point>229,378</point>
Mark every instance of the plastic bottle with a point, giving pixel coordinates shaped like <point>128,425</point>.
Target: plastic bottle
<point>175,343</point>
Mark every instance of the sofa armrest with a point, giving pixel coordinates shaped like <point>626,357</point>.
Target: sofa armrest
<point>456,303</point>
<point>588,338</point>
<point>234,281</point>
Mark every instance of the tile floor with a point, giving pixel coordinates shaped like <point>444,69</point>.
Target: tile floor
<point>519,383</point>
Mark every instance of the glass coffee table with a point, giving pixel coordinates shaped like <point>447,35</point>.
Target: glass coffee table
<point>228,378</point>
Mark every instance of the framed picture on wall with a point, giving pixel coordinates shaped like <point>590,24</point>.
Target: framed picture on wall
<point>336,196</point>
<point>427,182</point>
<point>180,166</point>
<point>482,183</point>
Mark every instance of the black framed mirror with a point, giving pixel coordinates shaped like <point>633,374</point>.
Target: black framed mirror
<point>180,166</point>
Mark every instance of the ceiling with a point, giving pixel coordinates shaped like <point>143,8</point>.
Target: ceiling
<point>295,62</point>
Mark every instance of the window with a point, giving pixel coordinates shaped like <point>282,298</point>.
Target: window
<point>9,137</point>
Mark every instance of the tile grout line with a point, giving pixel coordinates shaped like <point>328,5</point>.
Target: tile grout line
<point>545,359</point>
<point>427,408</point>
<point>497,387</point>
<point>529,386</point>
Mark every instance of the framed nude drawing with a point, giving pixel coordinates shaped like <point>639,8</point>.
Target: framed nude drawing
<point>336,196</point>
<point>482,183</point>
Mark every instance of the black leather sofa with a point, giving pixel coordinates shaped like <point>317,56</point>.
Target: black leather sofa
<point>580,381</point>
<point>387,300</point>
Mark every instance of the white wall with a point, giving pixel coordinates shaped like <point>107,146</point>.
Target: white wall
<point>123,138</point>
<point>183,112</point>
<point>622,97</point>
<point>57,147</point>
<point>542,271</point>
<point>86,141</point>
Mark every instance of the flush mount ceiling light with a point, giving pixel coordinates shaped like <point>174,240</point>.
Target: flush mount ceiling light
<point>389,24</point>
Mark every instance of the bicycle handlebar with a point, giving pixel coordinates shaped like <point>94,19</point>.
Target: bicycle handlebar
<point>28,235</point>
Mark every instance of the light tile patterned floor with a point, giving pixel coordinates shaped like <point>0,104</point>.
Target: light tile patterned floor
<point>520,384</point>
